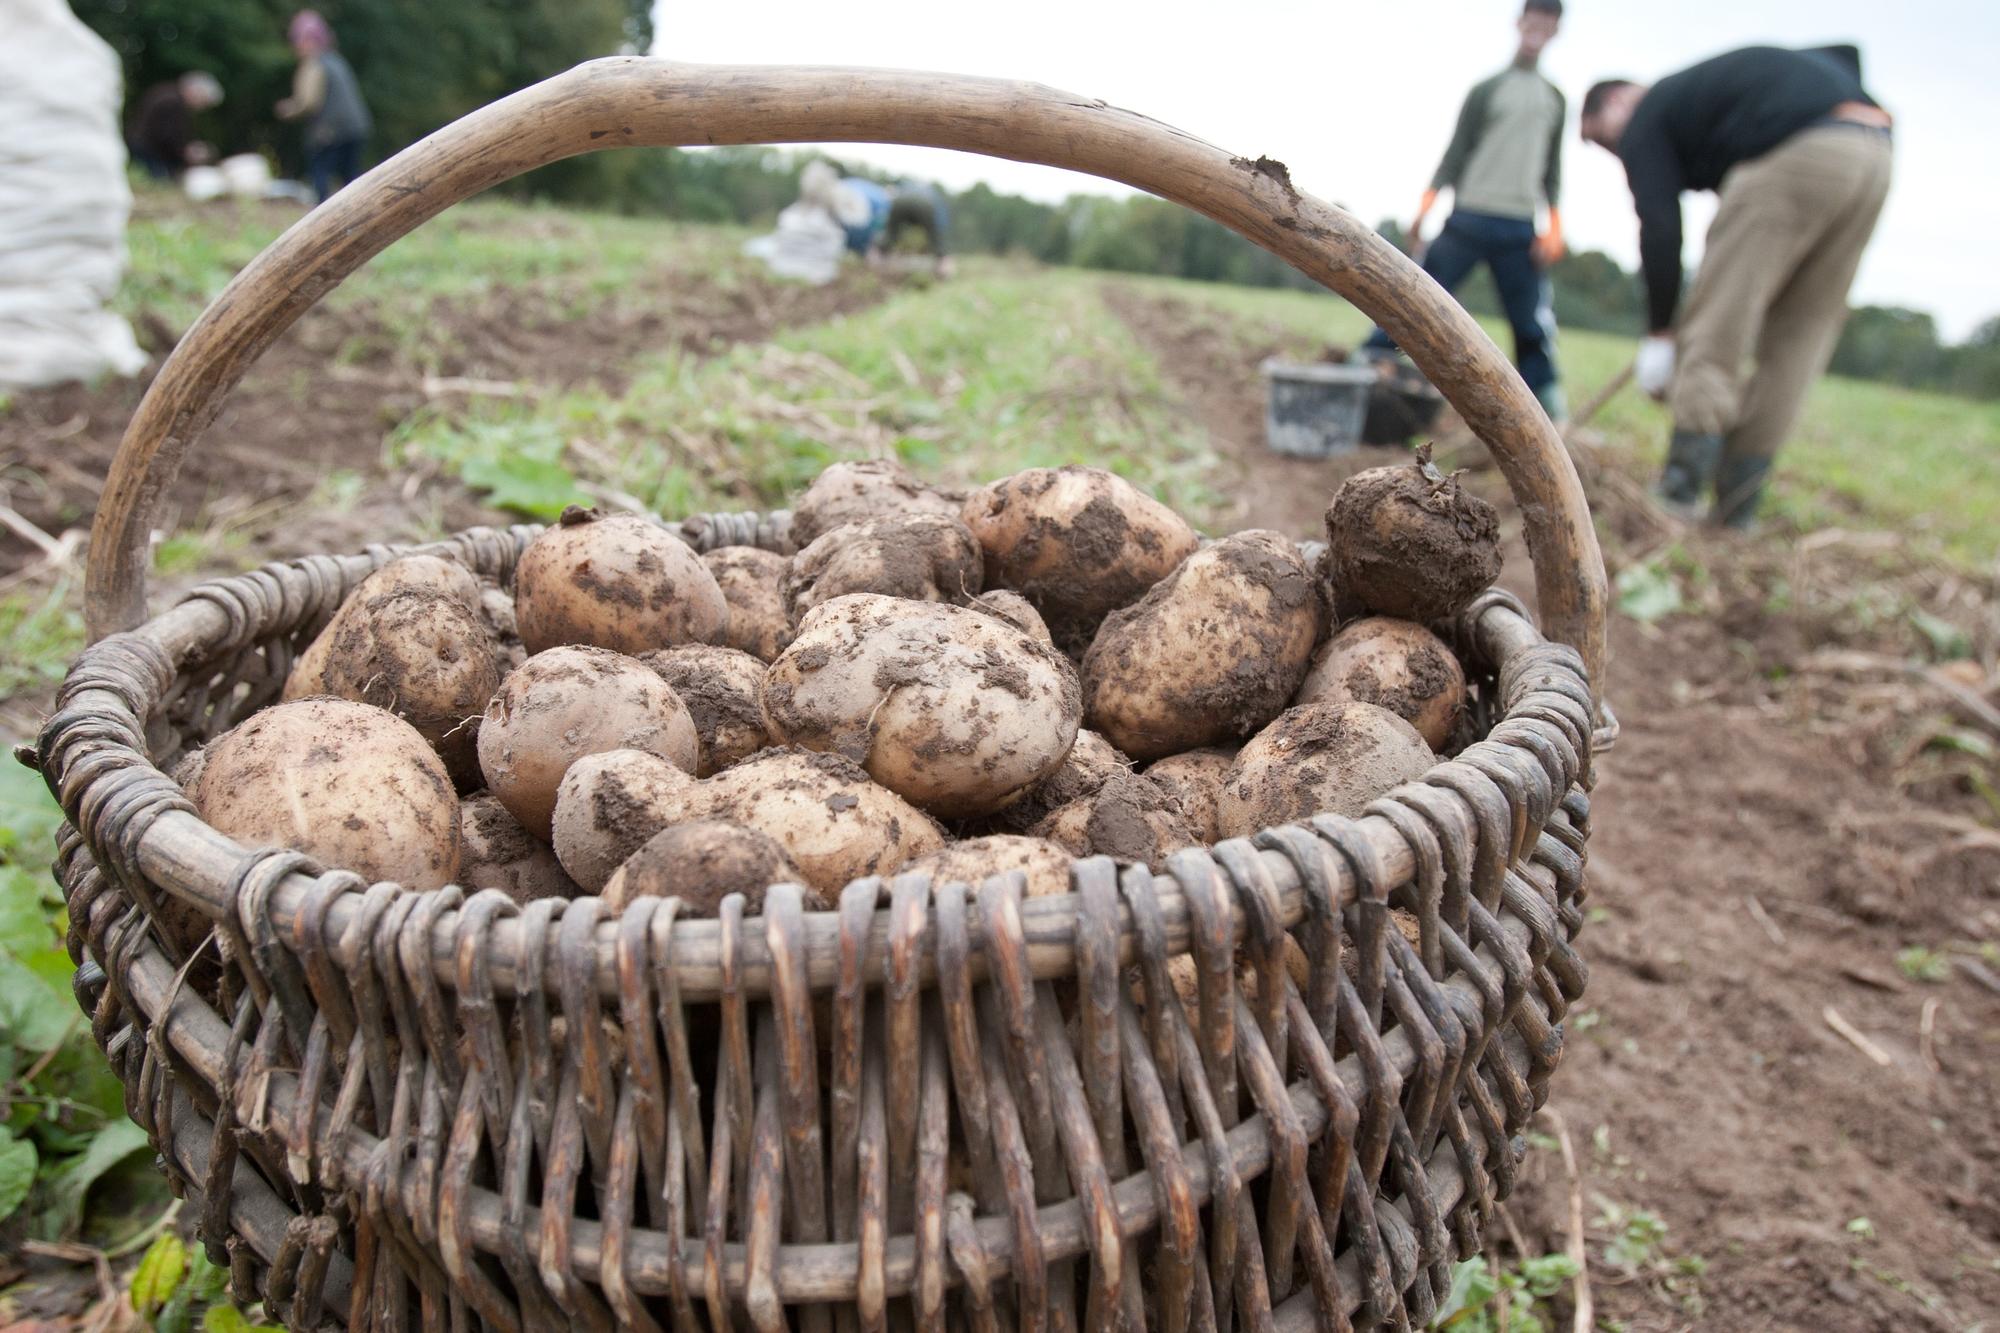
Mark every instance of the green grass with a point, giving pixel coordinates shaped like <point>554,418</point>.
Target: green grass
<point>42,631</point>
<point>964,381</point>
<point>64,1138</point>
<point>181,257</point>
<point>1923,464</point>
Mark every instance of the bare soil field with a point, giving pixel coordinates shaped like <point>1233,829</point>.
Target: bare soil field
<point>323,397</point>
<point>1754,872</point>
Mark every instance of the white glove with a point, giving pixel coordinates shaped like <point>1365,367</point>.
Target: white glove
<point>1654,367</point>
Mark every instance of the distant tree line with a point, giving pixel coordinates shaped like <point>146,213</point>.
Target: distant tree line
<point>423,65</point>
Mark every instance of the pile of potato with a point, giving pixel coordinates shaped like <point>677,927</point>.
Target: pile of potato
<point>1053,666</point>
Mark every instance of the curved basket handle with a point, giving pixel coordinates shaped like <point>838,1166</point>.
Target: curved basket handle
<point>636,100</point>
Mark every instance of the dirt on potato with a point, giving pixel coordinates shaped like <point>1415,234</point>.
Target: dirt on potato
<point>500,854</point>
<point>719,687</point>
<point>1409,542</point>
<point>1091,762</point>
<point>703,862</point>
<point>1077,564</point>
<point>921,557</point>
<point>1129,818</point>
<point>858,492</point>
<point>1157,681</point>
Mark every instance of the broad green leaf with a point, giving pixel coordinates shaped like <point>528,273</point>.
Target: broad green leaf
<point>17,1172</point>
<point>24,912</point>
<point>53,966</point>
<point>33,1015</point>
<point>224,1319</point>
<point>159,1273</point>
<point>29,816</point>
<point>177,1315</point>
<point>206,1281</point>
<point>71,1183</point>
<point>527,485</point>
<point>1648,592</point>
<point>1947,641</point>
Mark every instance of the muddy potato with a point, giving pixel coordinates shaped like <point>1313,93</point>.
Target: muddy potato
<point>1016,610</point>
<point>500,854</point>
<point>566,703</point>
<point>975,860</point>
<point>1319,758</point>
<point>617,581</point>
<point>1129,818</point>
<point>1195,780</point>
<point>721,688</point>
<point>417,574</point>
<point>956,711</point>
<point>1077,542</point>
<point>496,608</point>
<point>1393,664</point>
<point>410,638</point>
<point>702,863</point>
<point>609,805</point>
<point>833,822</point>
<point>856,492</point>
<point>187,769</point>
<point>353,786</point>
<point>921,557</point>
<point>1409,542</point>
<point>753,584</point>
<point>1090,763</point>
<point>1211,654</point>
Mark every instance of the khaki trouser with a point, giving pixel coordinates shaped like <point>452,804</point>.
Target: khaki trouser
<point>1771,295</point>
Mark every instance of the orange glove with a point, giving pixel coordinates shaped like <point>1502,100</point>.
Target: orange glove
<point>1415,237</point>
<point>1549,245</point>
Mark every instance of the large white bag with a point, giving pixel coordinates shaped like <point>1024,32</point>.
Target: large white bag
<point>807,245</point>
<point>63,199</point>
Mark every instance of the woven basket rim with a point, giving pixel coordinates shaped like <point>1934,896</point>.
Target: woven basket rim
<point>1048,923</point>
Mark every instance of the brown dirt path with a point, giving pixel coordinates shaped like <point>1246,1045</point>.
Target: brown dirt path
<point>1703,1082</point>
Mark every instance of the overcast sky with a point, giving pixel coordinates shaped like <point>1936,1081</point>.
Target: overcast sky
<point>1359,98</point>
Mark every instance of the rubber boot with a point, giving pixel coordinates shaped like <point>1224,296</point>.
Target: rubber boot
<point>1692,458</point>
<point>1555,402</point>
<point>1739,490</point>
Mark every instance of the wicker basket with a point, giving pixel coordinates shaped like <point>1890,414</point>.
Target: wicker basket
<point>939,1102</point>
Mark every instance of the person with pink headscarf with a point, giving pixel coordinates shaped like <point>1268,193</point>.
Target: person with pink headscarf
<point>326,95</point>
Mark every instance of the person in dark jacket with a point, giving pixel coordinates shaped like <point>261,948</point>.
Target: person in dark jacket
<point>1504,167</point>
<point>326,95</point>
<point>1800,154</point>
<point>160,134</point>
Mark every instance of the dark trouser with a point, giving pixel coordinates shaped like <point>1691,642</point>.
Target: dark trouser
<point>332,160</point>
<point>154,165</point>
<point>913,211</point>
<point>1506,246</point>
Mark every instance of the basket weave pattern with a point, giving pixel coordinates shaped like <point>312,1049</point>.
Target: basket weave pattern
<point>445,1110</point>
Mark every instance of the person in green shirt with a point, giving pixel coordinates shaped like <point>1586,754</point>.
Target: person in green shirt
<point>1504,168</point>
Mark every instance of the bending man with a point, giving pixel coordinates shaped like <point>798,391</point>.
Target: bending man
<point>1800,154</point>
